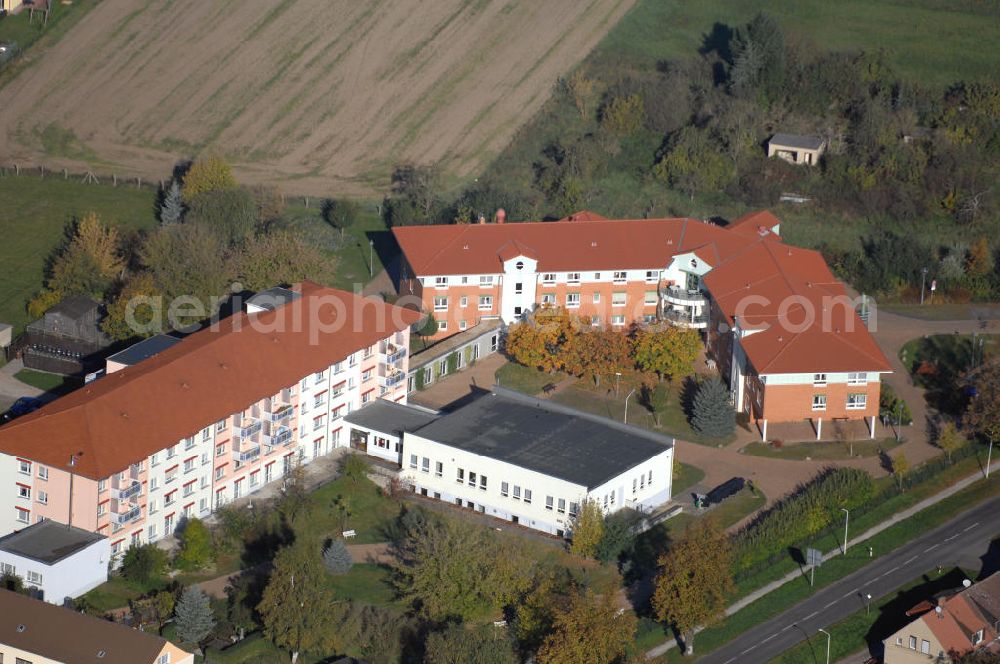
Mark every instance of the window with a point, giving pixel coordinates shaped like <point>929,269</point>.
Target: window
<point>206,433</point>
<point>485,302</point>
<point>441,304</point>
<point>652,276</point>
<point>220,450</point>
<point>574,509</point>
<point>860,378</point>
<point>857,401</point>
<point>464,301</point>
<point>189,443</point>
<point>548,278</point>
<point>977,638</point>
<point>649,299</point>
<point>101,509</point>
<point>642,482</point>
<point>472,479</point>
<point>154,460</point>
<point>220,425</point>
<point>618,299</point>
<point>548,502</point>
<point>23,491</point>
<point>573,278</point>
<point>366,375</point>
<point>43,473</point>
<point>548,298</point>
<point>561,508</point>
<point>595,321</point>
<point>504,489</point>
<point>913,643</point>
<point>459,475</point>
<point>518,288</point>
<point>319,422</point>
<point>165,657</point>
<point>597,276</point>
<point>527,495</point>
<point>819,380</point>
<point>649,478</point>
<point>318,377</point>
<point>572,300</point>
<point>43,498</point>
<point>620,277</point>
<point>486,280</point>
<point>819,402</point>
<point>425,465</point>
<point>517,492</point>
<point>319,399</point>
<point>24,516</point>
<point>925,646</point>
<point>618,320</point>
<point>635,484</point>
<point>153,484</point>
<point>24,467</point>
<point>35,578</point>
<point>440,282</point>
<point>7,568</point>
<point>482,482</point>
<point>219,472</point>
<point>438,469</point>
<point>188,465</point>
<point>413,461</point>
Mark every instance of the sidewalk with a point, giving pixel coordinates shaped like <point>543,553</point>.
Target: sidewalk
<point>791,576</point>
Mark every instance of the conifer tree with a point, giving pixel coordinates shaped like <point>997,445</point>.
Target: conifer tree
<point>193,616</point>
<point>337,558</point>
<point>172,207</point>
<point>712,414</point>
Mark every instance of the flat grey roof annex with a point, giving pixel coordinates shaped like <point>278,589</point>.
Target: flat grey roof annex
<point>48,541</point>
<point>391,417</point>
<point>545,437</point>
<point>797,141</point>
<point>144,350</point>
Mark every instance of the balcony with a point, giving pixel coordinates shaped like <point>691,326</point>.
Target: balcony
<point>684,296</point>
<point>394,378</point>
<point>247,455</point>
<point>249,427</point>
<point>686,319</point>
<point>129,492</point>
<point>282,413</point>
<point>281,436</point>
<point>393,353</point>
<point>121,518</point>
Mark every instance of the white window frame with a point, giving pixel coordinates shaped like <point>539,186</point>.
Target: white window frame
<point>619,277</point>
<point>819,380</point>
<point>548,298</point>
<point>819,402</point>
<point>857,401</point>
<point>652,276</point>
<point>619,299</point>
<point>618,319</point>
<point>573,278</point>
<point>486,303</point>
<point>857,378</point>
<point>441,303</point>
<point>549,278</point>
<point>572,300</point>
<point>486,281</point>
<point>440,282</point>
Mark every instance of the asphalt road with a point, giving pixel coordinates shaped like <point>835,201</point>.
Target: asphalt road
<point>962,541</point>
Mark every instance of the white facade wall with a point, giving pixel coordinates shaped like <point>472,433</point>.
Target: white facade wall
<point>8,479</point>
<point>70,577</point>
<point>517,290</point>
<point>532,499</point>
<point>860,379</point>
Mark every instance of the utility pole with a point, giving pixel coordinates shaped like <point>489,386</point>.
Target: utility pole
<point>923,280</point>
<point>847,518</point>
<point>989,457</point>
<point>827,644</point>
<point>371,259</point>
<point>72,464</point>
<point>625,420</point>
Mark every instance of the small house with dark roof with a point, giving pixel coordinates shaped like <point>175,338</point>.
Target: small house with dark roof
<point>378,429</point>
<point>37,632</point>
<point>796,148</point>
<point>533,462</point>
<point>56,562</point>
<point>68,338</point>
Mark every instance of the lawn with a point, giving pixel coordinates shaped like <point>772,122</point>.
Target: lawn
<point>34,215</point>
<point>366,583</point>
<point>938,362</point>
<point>826,451</point>
<point>935,42</point>
<point>887,616</point>
<point>685,477</point>
<point>48,382</point>
<point>370,512</point>
<point>518,377</point>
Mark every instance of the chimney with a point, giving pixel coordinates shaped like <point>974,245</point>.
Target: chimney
<point>501,215</point>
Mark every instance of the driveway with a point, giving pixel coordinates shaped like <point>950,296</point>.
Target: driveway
<point>11,389</point>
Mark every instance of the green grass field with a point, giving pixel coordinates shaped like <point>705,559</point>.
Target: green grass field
<point>34,214</point>
<point>931,41</point>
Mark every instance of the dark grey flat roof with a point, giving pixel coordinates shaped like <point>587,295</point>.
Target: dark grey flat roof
<point>391,417</point>
<point>272,298</point>
<point>48,542</point>
<point>144,350</point>
<point>797,141</point>
<point>546,437</point>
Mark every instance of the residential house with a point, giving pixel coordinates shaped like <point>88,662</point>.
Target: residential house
<point>796,149</point>
<point>781,328</point>
<point>56,562</point>
<point>454,353</point>
<point>206,421</point>
<point>956,622</point>
<point>35,632</point>
<point>524,460</point>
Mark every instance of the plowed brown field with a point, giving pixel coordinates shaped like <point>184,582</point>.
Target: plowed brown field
<point>314,95</point>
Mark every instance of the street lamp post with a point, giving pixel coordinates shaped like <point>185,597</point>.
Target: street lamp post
<point>989,458</point>
<point>371,259</point>
<point>618,383</point>
<point>923,281</point>
<point>868,603</point>
<point>72,464</point>
<point>625,420</point>
<point>827,644</point>
<point>847,518</point>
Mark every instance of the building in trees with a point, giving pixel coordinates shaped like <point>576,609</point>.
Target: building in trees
<point>207,420</point>
<point>796,149</point>
<point>781,328</point>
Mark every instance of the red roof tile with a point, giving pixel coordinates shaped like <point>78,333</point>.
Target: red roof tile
<point>126,416</point>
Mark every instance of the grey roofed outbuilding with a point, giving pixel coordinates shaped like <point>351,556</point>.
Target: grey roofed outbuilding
<point>391,417</point>
<point>545,437</point>
<point>48,541</point>
<point>144,350</point>
<point>797,141</point>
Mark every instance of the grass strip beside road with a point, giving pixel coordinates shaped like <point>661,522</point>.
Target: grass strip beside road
<point>836,568</point>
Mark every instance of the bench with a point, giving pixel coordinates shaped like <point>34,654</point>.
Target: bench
<point>349,533</point>
<point>550,388</point>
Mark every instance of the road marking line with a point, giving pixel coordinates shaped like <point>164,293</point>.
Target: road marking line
<point>971,527</point>
<point>931,548</point>
<point>731,659</point>
<point>769,638</point>
<point>951,538</point>
<point>910,560</point>
<point>831,604</point>
<point>810,615</point>
<point>784,629</point>
<point>748,650</point>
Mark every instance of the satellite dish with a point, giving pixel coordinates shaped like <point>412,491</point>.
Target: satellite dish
<point>966,583</point>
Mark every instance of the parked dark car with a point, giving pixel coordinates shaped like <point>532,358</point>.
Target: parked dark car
<point>22,406</point>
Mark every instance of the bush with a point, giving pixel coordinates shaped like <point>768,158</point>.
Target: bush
<point>810,509</point>
<point>196,546</point>
<point>144,564</point>
<point>355,467</point>
<point>891,406</point>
